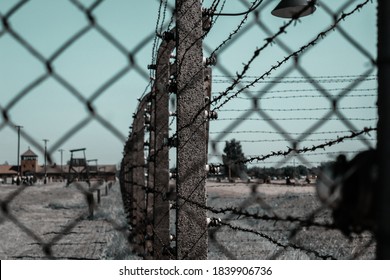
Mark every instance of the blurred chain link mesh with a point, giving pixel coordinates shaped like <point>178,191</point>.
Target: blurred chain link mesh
<point>284,115</point>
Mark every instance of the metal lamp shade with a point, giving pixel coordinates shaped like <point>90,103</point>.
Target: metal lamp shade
<point>289,8</point>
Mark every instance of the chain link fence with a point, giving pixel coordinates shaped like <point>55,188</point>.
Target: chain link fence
<point>295,94</point>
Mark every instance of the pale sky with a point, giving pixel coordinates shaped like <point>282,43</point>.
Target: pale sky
<point>50,110</point>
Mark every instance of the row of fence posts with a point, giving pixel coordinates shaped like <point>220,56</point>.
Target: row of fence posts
<point>97,190</point>
<point>145,197</point>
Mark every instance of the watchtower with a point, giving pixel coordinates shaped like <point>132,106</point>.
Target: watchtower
<point>78,168</point>
<point>29,163</point>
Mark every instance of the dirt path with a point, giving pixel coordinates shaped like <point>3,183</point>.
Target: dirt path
<point>54,221</point>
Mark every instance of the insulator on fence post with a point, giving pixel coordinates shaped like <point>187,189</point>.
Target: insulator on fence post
<point>173,174</point>
<point>211,115</point>
<point>172,114</point>
<point>147,118</point>
<point>206,19</point>
<point>148,108</point>
<point>172,86</point>
<point>152,66</point>
<point>213,222</point>
<point>169,35</point>
<point>210,61</point>
<point>171,142</point>
<point>213,169</point>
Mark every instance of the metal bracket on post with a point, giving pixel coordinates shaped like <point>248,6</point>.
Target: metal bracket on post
<point>191,223</point>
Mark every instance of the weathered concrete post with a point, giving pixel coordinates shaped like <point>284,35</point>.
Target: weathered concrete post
<point>150,180</point>
<point>128,175</point>
<point>207,95</point>
<point>383,193</point>
<point>139,195</point>
<point>191,129</point>
<point>161,180</point>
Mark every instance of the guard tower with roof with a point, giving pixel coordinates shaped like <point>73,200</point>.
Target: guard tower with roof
<point>78,167</point>
<point>29,163</point>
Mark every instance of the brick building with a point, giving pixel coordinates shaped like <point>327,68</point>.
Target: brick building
<point>29,166</point>
<point>28,163</point>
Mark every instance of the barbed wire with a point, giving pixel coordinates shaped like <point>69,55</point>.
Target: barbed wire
<point>279,63</point>
<point>290,150</point>
<point>313,148</point>
<point>227,217</point>
<point>305,109</point>
<point>283,140</point>
<point>236,30</point>
<point>300,81</point>
<point>296,119</point>
<point>240,212</point>
<point>257,52</point>
<point>322,77</point>
<point>279,133</point>
<point>303,96</point>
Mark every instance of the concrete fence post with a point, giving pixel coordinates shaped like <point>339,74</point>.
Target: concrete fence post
<point>191,129</point>
<point>207,94</point>
<point>150,179</point>
<point>139,191</point>
<point>128,179</point>
<point>161,157</point>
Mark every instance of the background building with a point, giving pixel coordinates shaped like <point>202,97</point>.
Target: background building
<point>29,166</point>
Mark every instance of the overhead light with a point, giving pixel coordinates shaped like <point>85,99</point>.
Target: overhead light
<point>290,8</point>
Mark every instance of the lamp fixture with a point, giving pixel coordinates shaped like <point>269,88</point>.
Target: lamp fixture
<point>294,8</point>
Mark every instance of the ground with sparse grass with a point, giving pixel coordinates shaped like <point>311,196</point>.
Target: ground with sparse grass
<point>39,222</point>
<point>54,221</point>
<point>253,238</point>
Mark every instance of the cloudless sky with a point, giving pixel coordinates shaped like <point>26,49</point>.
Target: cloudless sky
<point>50,110</point>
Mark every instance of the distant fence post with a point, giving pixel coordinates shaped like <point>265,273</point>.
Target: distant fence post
<point>191,151</point>
<point>139,176</point>
<point>161,180</point>
<point>150,179</point>
<point>207,94</point>
<point>128,179</point>
<point>98,196</point>
<point>383,193</point>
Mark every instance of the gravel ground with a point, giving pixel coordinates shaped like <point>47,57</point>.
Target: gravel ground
<point>37,222</point>
<point>54,220</point>
<point>252,238</point>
